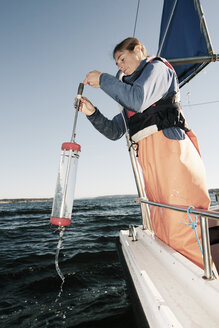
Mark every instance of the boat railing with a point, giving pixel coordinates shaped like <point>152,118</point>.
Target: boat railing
<point>204,216</point>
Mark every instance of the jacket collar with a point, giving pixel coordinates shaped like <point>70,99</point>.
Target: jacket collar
<point>131,78</point>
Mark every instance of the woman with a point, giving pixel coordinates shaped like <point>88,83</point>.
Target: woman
<point>167,151</point>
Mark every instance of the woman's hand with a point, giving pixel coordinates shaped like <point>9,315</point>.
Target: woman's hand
<point>86,107</point>
<point>93,79</point>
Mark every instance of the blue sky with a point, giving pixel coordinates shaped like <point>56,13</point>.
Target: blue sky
<point>47,47</point>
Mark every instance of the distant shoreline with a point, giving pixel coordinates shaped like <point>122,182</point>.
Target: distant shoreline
<point>25,200</point>
<point>31,200</point>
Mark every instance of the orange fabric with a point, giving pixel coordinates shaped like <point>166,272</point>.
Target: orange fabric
<point>174,174</point>
<point>194,140</point>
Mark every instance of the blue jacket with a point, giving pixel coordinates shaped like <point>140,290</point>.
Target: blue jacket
<point>136,93</point>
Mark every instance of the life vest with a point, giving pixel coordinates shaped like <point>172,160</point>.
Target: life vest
<point>165,113</point>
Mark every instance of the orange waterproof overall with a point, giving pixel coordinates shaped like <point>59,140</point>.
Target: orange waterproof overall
<point>174,174</point>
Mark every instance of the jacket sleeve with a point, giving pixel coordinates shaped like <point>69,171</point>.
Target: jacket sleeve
<point>154,83</point>
<point>128,96</point>
<point>112,129</point>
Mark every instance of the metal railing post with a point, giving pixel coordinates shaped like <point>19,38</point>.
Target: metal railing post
<point>146,222</point>
<point>204,215</point>
<point>206,247</point>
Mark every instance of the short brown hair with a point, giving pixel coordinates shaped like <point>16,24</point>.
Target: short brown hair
<point>129,44</point>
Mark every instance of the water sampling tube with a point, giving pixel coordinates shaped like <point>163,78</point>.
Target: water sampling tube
<point>65,185</point>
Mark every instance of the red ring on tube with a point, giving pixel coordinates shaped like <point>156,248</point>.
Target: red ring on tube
<point>71,145</point>
<point>60,221</point>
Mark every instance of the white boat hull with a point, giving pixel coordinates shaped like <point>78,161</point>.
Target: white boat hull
<point>170,288</point>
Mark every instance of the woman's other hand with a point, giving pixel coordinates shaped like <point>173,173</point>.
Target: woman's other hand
<point>93,79</point>
<point>86,106</point>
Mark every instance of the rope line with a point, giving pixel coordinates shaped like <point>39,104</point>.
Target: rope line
<point>194,225</point>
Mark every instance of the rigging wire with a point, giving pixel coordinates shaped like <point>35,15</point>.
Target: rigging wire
<point>204,103</point>
<point>136,18</point>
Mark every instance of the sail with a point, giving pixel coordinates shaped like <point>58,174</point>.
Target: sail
<point>184,38</point>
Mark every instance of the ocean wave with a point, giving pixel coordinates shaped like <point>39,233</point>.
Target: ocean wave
<point>94,291</point>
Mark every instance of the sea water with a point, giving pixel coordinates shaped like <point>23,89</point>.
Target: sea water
<point>94,293</point>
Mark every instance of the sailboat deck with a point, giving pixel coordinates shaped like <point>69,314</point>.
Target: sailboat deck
<point>171,288</point>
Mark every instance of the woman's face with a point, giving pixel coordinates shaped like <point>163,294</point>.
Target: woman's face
<point>127,61</point>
